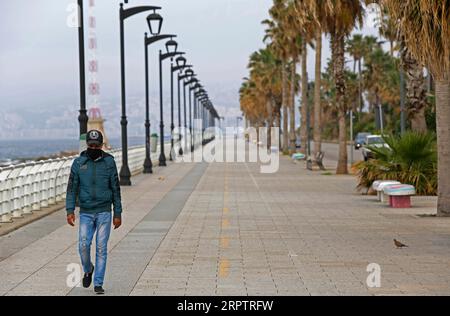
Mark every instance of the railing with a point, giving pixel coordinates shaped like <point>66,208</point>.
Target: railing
<point>29,187</point>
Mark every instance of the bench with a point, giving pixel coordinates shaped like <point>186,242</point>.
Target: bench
<point>379,186</point>
<point>400,195</point>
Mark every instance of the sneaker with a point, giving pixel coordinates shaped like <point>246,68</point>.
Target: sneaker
<point>99,290</point>
<point>87,278</point>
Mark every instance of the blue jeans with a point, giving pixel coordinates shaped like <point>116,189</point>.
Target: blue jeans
<point>89,224</point>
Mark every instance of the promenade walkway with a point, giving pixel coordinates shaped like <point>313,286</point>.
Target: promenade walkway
<point>226,229</point>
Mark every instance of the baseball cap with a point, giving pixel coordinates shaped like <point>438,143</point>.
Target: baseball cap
<point>94,137</point>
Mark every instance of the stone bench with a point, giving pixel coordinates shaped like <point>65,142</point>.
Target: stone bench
<point>379,186</point>
<point>400,195</point>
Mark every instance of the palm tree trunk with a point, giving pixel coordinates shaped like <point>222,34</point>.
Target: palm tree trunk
<point>270,110</point>
<point>338,46</point>
<point>304,105</point>
<point>317,99</point>
<point>443,133</point>
<point>292,108</point>
<point>278,124</point>
<point>416,93</point>
<point>285,109</point>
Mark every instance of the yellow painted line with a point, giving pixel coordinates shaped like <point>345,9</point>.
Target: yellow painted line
<point>224,266</point>
<point>225,242</point>
<point>226,210</point>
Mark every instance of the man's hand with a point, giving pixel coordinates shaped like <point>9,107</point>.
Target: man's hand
<point>71,219</point>
<point>117,222</point>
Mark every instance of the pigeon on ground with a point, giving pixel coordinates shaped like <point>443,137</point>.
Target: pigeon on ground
<point>398,244</point>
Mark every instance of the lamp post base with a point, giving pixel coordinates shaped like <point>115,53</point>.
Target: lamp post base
<point>162,160</point>
<point>148,166</point>
<point>125,177</point>
<point>172,152</point>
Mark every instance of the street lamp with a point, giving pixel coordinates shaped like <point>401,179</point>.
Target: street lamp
<point>82,118</point>
<point>152,19</point>
<point>192,109</point>
<point>309,165</point>
<point>155,22</point>
<point>171,47</point>
<point>190,83</point>
<point>181,64</point>
<point>197,113</point>
<point>125,173</point>
<point>187,77</point>
<point>182,77</point>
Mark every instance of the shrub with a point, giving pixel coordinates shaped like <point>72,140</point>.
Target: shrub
<point>410,159</point>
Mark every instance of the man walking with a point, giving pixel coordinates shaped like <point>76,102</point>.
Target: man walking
<point>95,183</point>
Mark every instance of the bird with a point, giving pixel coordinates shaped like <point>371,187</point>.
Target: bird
<point>398,244</point>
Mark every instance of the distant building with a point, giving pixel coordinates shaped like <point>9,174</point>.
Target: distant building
<point>96,121</point>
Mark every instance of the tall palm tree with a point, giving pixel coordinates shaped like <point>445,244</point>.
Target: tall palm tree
<point>310,16</point>
<point>260,95</point>
<point>425,25</point>
<point>307,26</point>
<point>279,41</point>
<point>295,47</point>
<point>339,19</point>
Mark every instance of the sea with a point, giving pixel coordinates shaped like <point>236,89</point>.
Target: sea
<point>15,151</point>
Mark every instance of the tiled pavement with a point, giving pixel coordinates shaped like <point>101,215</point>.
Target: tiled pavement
<point>295,233</point>
<point>240,232</point>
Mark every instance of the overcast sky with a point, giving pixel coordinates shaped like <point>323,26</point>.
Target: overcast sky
<point>39,52</point>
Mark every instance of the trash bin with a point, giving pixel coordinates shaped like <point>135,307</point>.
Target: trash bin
<point>154,142</point>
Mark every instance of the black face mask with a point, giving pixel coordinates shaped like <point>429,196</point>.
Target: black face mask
<point>94,154</point>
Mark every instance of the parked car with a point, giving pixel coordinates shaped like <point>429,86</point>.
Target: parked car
<point>374,141</point>
<point>360,140</point>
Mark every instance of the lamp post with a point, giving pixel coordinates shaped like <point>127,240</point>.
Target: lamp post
<point>186,75</point>
<point>309,165</point>
<point>189,83</point>
<point>203,104</point>
<point>125,173</point>
<point>197,94</point>
<point>82,118</point>
<point>148,165</point>
<point>171,47</point>
<point>181,64</point>
<point>189,76</point>
<point>192,87</point>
